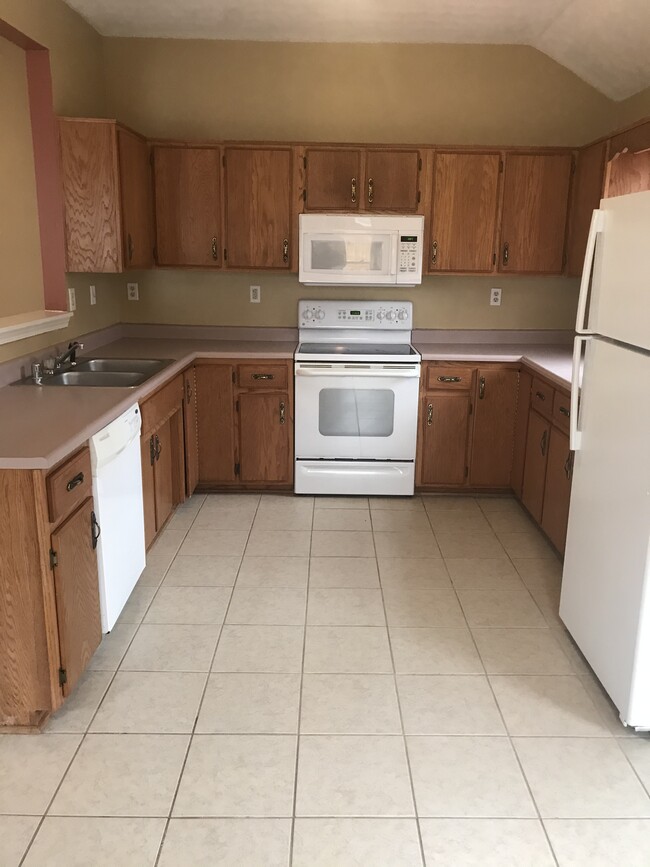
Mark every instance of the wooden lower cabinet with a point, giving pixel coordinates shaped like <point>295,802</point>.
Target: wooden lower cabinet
<point>557,490</point>
<point>444,432</point>
<point>245,424</point>
<point>50,622</point>
<point>494,411</point>
<point>191,434</point>
<point>532,494</point>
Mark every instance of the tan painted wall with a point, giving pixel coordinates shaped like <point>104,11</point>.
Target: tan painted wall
<point>201,298</point>
<point>632,109</point>
<point>21,276</point>
<point>453,94</point>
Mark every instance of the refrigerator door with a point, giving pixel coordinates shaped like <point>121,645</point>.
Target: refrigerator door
<point>619,305</point>
<point>605,601</point>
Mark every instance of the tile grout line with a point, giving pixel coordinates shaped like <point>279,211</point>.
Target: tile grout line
<point>300,693</point>
<point>86,731</point>
<point>398,699</point>
<point>205,687</point>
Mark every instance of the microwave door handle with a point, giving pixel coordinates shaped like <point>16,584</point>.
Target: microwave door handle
<point>393,253</point>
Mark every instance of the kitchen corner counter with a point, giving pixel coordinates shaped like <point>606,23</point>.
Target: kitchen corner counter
<point>41,426</point>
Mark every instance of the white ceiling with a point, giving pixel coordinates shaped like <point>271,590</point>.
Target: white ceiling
<point>605,42</point>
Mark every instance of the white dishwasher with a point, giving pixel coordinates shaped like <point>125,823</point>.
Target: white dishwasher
<point>117,490</point>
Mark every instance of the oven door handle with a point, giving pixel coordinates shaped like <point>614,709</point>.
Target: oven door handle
<point>403,372</point>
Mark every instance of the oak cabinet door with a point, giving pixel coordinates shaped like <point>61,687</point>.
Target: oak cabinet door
<point>521,432</point>
<point>465,199</point>
<point>215,423</point>
<point>535,204</point>
<point>76,587</point>
<point>532,495</point>
<point>187,185</point>
<point>391,182</point>
<point>495,406</point>
<point>264,437</point>
<point>90,196</point>
<point>137,200</point>
<point>557,493</point>
<point>164,473</point>
<point>258,207</point>
<point>588,184</point>
<point>445,429</point>
<point>147,459</point>
<point>190,430</point>
<point>333,179</point>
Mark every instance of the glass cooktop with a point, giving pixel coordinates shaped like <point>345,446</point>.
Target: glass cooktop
<point>377,349</point>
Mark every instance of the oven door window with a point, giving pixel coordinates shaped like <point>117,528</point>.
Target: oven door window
<point>356,412</point>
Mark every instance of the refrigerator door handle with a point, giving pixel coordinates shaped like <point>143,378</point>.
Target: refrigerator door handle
<point>575,434</point>
<point>595,228</point>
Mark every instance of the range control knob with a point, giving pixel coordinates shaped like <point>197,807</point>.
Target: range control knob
<point>320,313</point>
<point>402,314</point>
<point>306,314</point>
<point>391,315</point>
<point>381,315</point>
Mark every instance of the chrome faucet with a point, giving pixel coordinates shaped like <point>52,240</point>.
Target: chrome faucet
<point>56,362</point>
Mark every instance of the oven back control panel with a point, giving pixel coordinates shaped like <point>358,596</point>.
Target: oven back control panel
<point>388,315</point>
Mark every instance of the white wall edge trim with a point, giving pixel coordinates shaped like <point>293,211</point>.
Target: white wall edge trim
<point>30,324</point>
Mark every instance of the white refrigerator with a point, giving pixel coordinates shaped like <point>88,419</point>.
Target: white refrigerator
<point>605,601</point>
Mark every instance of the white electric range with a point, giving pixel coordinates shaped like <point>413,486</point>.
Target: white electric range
<point>356,406</point>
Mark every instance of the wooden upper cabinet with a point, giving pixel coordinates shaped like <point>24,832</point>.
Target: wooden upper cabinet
<point>588,185</point>
<point>636,138</point>
<point>90,195</point>
<point>391,182</point>
<point>495,406</point>
<point>464,213</point>
<point>333,179</point>
<point>187,185</point>
<point>137,199</point>
<point>258,207</point>
<point>535,204</point>
<point>107,195</point>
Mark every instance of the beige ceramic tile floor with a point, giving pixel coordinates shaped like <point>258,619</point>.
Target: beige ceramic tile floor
<point>334,682</point>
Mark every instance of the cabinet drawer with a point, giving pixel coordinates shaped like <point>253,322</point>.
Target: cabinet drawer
<point>262,375</point>
<point>459,378</point>
<point>541,397</point>
<point>161,405</point>
<point>69,485</point>
<point>561,407</point>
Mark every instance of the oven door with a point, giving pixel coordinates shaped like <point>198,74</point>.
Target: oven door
<point>356,411</point>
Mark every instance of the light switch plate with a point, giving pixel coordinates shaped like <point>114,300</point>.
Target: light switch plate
<point>72,299</point>
<point>256,294</point>
<point>495,297</point>
<point>132,292</point>
<point>93,295</point>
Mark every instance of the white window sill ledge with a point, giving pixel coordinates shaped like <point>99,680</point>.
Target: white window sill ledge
<point>30,324</point>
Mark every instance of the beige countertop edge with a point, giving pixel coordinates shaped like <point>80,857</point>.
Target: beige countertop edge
<point>551,361</point>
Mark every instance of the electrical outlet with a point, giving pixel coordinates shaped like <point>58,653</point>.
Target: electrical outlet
<point>495,298</point>
<point>132,292</point>
<point>72,299</point>
<point>256,294</point>
<point>93,295</point>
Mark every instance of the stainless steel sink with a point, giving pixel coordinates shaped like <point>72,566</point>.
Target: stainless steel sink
<point>104,373</point>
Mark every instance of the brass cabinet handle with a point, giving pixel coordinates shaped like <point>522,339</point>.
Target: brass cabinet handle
<point>565,411</point>
<point>568,466</point>
<point>434,253</point>
<point>215,252</point>
<point>282,409</point>
<point>371,191</point>
<point>74,482</point>
<point>543,441</point>
<point>129,246</point>
<point>285,250</point>
<point>95,530</point>
<point>158,448</point>
<point>429,414</point>
<point>449,379</point>
<point>540,395</point>
<point>353,190</point>
<point>263,376</point>
<point>188,390</point>
<point>152,450</point>
<point>481,388</point>
<point>506,253</point>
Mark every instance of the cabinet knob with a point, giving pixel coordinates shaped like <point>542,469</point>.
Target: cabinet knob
<point>371,191</point>
<point>568,466</point>
<point>565,411</point>
<point>282,412</point>
<point>434,253</point>
<point>285,250</point>
<point>353,190</point>
<point>481,388</point>
<point>188,391</point>
<point>129,246</point>
<point>95,530</point>
<point>543,442</point>
<point>215,251</point>
<point>506,253</point>
<point>429,414</point>
<point>74,482</point>
<point>262,376</point>
<point>449,379</point>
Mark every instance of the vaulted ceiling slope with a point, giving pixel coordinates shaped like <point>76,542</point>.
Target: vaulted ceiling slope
<point>605,42</point>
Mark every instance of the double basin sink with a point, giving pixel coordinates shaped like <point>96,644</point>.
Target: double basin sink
<point>106,372</point>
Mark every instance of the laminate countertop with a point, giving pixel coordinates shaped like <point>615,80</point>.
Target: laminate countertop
<point>41,426</point>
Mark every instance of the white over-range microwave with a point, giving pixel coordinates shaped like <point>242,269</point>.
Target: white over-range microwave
<point>360,250</point>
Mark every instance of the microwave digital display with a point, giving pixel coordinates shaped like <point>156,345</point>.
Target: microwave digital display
<point>408,239</point>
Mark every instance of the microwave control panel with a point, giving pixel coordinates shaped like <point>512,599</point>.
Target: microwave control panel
<point>408,254</point>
